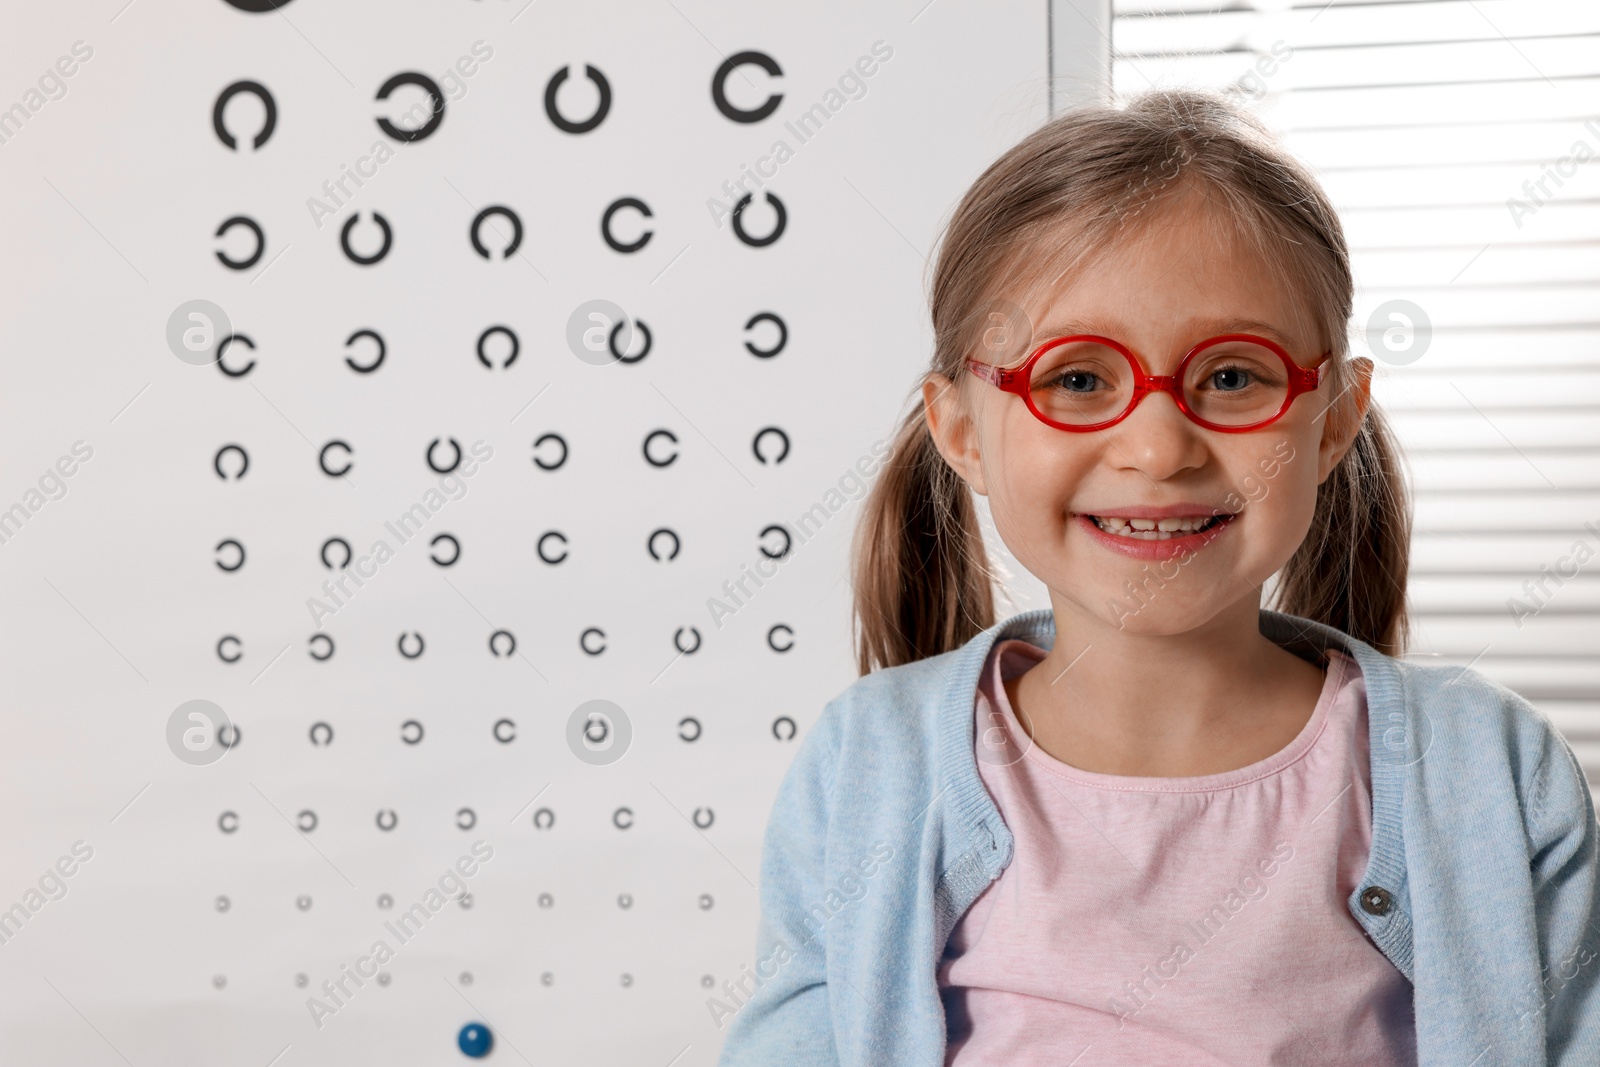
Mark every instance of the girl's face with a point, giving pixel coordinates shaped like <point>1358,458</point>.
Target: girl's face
<point>1058,497</point>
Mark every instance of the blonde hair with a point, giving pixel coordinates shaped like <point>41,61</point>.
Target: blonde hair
<point>923,581</point>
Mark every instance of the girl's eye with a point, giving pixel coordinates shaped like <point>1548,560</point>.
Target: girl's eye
<point>1230,379</point>
<point>1078,381</point>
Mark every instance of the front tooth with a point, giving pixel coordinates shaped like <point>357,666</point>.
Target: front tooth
<point>1169,525</point>
<point>1142,524</point>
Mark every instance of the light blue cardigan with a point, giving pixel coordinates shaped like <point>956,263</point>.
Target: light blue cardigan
<point>882,835</point>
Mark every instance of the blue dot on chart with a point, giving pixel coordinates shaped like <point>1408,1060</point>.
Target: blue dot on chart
<point>475,1040</point>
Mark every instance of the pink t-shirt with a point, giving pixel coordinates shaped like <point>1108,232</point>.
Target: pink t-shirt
<point>1198,921</point>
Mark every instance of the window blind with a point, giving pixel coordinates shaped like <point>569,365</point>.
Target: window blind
<point>1460,140</point>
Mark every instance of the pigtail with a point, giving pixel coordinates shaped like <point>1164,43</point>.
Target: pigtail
<point>922,577</point>
<point>1350,572</point>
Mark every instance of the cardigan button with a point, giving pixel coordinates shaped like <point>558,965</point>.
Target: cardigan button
<point>1375,900</point>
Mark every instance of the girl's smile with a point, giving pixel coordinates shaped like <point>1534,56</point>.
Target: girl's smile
<point>1150,533</point>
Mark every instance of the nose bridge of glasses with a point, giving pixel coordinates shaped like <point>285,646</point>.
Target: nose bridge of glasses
<point>1157,383</point>
<point>1146,384</point>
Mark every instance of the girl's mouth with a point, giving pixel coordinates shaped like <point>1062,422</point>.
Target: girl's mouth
<point>1158,529</point>
<point>1155,539</point>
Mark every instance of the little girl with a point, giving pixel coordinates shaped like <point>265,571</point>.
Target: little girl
<point>1157,823</point>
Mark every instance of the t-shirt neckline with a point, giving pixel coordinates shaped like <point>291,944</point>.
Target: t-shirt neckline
<point>1339,667</point>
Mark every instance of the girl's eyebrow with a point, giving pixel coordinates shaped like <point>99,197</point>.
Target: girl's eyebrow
<point>1065,329</point>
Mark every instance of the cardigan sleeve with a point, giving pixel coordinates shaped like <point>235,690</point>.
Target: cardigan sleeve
<point>787,1018</point>
<point>1565,864</point>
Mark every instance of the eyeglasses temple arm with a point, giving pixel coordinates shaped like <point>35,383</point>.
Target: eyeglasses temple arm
<point>987,371</point>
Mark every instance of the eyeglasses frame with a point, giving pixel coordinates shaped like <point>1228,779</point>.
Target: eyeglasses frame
<point>1016,379</point>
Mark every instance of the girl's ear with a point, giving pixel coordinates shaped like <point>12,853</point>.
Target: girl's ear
<point>1344,417</point>
<point>952,429</point>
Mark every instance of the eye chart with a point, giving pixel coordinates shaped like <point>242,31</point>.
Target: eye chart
<point>432,435</point>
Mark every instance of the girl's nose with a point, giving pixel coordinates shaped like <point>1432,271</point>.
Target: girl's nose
<point>1157,439</point>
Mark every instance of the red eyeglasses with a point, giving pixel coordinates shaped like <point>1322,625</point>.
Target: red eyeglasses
<point>1230,383</point>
